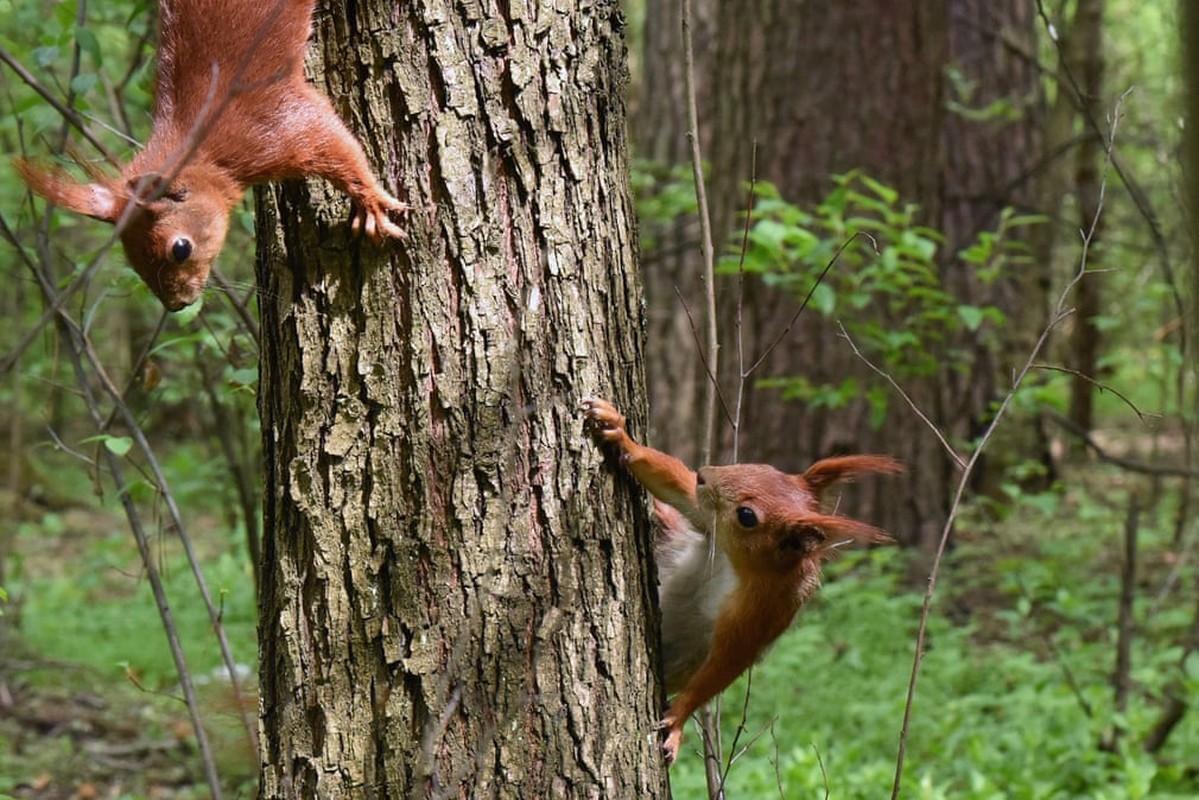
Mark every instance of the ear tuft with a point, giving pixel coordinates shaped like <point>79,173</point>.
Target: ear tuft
<point>827,471</point>
<point>96,200</point>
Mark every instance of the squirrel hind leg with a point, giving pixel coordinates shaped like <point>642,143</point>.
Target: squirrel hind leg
<point>674,737</point>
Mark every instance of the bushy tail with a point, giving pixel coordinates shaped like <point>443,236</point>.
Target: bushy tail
<point>96,200</point>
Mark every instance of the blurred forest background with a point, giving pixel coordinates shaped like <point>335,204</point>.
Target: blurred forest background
<point>1008,161</point>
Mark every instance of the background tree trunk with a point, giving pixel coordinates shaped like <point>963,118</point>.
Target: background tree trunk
<point>862,85</point>
<point>454,603</point>
<point>670,255</point>
<point>1087,31</point>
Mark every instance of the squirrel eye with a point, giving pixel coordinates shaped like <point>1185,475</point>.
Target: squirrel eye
<point>181,250</point>
<point>747,517</point>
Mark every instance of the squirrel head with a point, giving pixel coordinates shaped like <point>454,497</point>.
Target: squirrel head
<point>768,521</point>
<point>172,235</point>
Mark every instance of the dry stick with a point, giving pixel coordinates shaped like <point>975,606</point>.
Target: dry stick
<point>1158,470</point>
<point>712,756</point>
<point>738,335</point>
<point>705,228</point>
<point>703,359</point>
<point>1060,313</point>
<point>738,330</point>
<point>1102,387</point>
<point>76,347</point>
<point>953,454</point>
<point>808,298</point>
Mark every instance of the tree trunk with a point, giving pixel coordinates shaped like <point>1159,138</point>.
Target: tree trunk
<point>455,603</point>
<point>1087,31</point>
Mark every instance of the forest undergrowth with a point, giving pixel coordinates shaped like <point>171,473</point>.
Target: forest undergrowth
<point>1016,698</point>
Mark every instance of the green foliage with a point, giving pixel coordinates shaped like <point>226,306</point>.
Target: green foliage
<point>883,285</point>
<point>663,195</point>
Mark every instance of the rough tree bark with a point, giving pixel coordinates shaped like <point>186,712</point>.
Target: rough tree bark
<point>454,601</point>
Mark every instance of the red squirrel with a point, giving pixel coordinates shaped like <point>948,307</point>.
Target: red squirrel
<point>231,109</point>
<point>740,552</point>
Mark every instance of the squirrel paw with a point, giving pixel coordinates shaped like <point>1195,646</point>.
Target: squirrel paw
<point>371,216</point>
<point>602,420</point>
<point>670,747</point>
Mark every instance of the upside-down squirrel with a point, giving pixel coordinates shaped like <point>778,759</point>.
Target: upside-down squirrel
<point>231,109</point>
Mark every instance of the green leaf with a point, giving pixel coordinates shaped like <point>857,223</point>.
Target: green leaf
<point>45,56</point>
<point>83,82</point>
<point>971,316</point>
<point>118,445</point>
<point>88,43</point>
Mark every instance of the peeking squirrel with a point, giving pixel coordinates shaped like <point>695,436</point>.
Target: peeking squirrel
<point>724,602</point>
<point>231,109</point>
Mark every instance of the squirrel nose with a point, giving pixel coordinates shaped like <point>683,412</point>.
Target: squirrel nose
<point>699,478</point>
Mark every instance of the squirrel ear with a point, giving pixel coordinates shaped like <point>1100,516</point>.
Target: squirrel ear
<point>827,471</point>
<point>96,200</point>
<point>841,530</point>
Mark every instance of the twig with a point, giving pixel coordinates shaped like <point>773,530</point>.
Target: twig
<point>808,297</point>
<point>953,454</point>
<point>823,771</point>
<point>705,227</point>
<point>1159,470</point>
<point>1102,387</point>
<point>708,368</point>
<point>1121,671</point>
<point>738,327</point>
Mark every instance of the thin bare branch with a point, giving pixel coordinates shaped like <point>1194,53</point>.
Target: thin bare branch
<point>808,297</point>
<point>1102,387</point>
<point>953,454</point>
<point>705,227</point>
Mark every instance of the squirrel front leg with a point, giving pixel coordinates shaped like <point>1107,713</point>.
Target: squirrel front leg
<point>325,146</point>
<point>664,476</point>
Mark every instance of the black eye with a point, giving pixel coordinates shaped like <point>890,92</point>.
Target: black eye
<point>747,517</point>
<point>181,250</point>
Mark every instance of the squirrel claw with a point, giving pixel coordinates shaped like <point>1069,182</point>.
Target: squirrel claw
<point>371,217</point>
<point>602,418</point>
<point>670,747</point>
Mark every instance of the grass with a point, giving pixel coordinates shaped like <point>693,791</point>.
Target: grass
<point>102,614</point>
<point>84,659</point>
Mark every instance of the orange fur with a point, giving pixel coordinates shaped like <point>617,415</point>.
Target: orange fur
<point>231,109</point>
<point>723,605</point>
